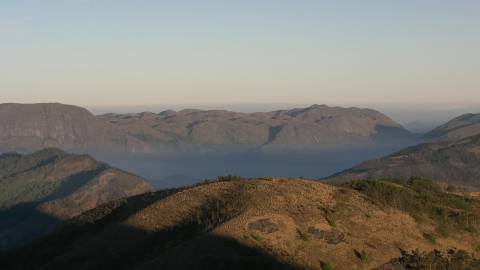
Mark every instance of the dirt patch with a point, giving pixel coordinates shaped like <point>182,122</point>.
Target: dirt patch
<point>333,237</point>
<point>263,225</point>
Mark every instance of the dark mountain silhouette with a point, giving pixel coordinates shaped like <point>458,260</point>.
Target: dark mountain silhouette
<point>39,190</point>
<point>455,162</point>
<point>258,224</point>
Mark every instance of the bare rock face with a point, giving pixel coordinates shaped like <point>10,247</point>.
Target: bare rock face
<point>458,128</point>
<point>316,126</point>
<point>40,190</point>
<point>27,127</point>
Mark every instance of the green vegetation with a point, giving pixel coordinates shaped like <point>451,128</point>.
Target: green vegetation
<point>256,237</point>
<point>229,177</point>
<point>361,254</point>
<point>422,199</point>
<point>329,217</point>
<point>303,236</point>
<point>430,237</point>
<point>326,266</point>
<point>453,260</point>
<point>15,191</point>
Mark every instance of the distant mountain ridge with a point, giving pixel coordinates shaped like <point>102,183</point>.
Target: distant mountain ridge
<point>40,190</point>
<point>455,162</point>
<point>30,127</point>
<point>317,126</point>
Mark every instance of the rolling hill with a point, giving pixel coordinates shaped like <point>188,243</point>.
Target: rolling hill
<point>455,162</point>
<point>40,190</point>
<point>263,224</point>
<point>461,127</point>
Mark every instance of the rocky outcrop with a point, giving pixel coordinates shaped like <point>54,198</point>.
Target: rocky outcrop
<point>29,127</point>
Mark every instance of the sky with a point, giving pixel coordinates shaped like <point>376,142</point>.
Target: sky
<point>142,52</point>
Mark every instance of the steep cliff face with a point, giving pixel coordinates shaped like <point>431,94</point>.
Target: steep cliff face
<point>40,190</point>
<point>27,127</point>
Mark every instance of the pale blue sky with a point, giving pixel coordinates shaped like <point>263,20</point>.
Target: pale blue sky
<point>114,52</point>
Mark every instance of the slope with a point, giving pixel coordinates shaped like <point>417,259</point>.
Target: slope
<point>456,163</point>
<point>251,224</point>
<point>39,190</point>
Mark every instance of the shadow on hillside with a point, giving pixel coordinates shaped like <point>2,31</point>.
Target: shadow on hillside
<point>128,248</point>
<point>23,222</point>
<point>73,183</point>
<point>102,241</point>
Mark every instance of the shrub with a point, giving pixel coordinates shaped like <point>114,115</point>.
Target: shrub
<point>326,266</point>
<point>303,236</point>
<point>430,237</point>
<point>362,255</point>
<point>229,177</point>
<point>453,260</point>
<point>329,217</point>
<point>422,198</point>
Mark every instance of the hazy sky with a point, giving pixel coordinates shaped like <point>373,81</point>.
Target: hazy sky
<point>111,52</point>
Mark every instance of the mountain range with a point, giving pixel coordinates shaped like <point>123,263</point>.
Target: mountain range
<point>317,126</point>
<point>70,211</point>
<point>40,190</point>
<point>28,127</point>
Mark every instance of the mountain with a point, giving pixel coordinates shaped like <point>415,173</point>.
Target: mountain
<point>464,126</point>
<point>318,126</point>
<point>29,127</point>
<point>456,162</point>
<point>40,190</point>
<point>261,224</point>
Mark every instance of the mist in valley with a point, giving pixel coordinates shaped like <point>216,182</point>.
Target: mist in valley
<point>180,169</point>
<point>175,169</point>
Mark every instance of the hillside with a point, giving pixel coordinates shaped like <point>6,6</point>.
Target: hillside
<point>464,126</point>
<point>303,128</point>
<point>261,224</point>
<point>40,190</point>
<point>456,163</point>
<point>29,127</point>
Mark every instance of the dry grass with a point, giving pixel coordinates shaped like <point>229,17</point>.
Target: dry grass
<point>298,222</point>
